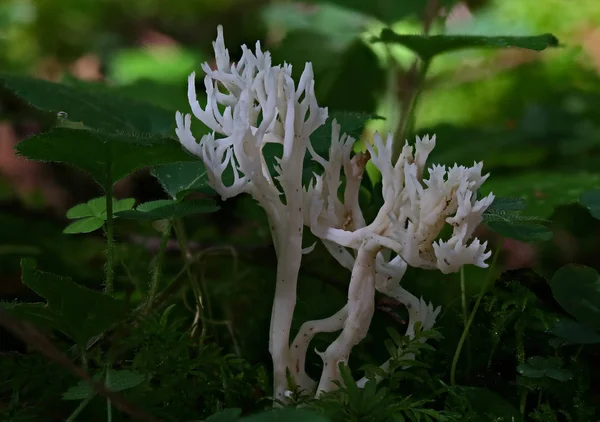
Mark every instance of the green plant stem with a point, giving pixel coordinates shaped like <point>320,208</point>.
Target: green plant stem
<point>523,402</point>
<point>157,272</point>
<point>109,239</point>
<point>418,72</point>
<point>84,360</point>
<point>108,401</point>
<point>467,327</point>
<point>82,405</point>
<point>463,297</point>
<point>179,229</point>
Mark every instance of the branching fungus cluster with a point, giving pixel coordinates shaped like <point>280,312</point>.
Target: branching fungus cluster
<point>252,103</point>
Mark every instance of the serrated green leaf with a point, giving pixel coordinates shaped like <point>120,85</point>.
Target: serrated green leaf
<point>577,289</point>
<point>591,200</point>
<point>167,209</point>
<point>525,232</point>
<point>225,415</point>
<point>179,179</point>
<point>81,313</point>
<point>96,107</point>
<point>507,204</point>
<point>106,157</point>
<point>428,46</point>
<point>84,225</point>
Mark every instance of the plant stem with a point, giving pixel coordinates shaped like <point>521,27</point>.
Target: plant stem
<point>109,239</point>
<point>108,410</point>
<point>523,402</point>
<point>465,332</point>
<point>108,401</point>
<point>417,73</point>
<point>463,297</point>
<point>157,272</point>
<point>179,230</point>
<point>82,405</point>
<point>84,360</point>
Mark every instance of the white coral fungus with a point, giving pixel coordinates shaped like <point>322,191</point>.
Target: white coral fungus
<point>251,104</point>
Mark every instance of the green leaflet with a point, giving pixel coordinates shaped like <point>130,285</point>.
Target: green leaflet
<point>429,46</point>
<point>75,310</point>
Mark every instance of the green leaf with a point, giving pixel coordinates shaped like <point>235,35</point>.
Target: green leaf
<point>168,209</point>
<point>386,11</point>
<point>287,414</point>
<point>166,64</point>
<point>339,68</point>
<point>97,207</point>
<point>115,381</point>
<point>35,313</point>
<point>107,158</point>
<point>577,289</point>
<point>92,214</point>
<point>95,107</point>
<point>84,225</point>
<point>225,415</point>
<point>507,204</point>
<point>489,406</point>
<point>354,393</point>
<point>591,200</point>
<point>340,25</point>
<point>529,372</point>
<point>82,390</point>
<point>123,380</point>
<point>523,231</point>
<point>540,367</point>
<point>179,179</point>
<point>122,205</point>
<point>81,313</point>
<point>428,46</point>
<point>574,332</point>
<point>543,191</point>
<point>80,211</point>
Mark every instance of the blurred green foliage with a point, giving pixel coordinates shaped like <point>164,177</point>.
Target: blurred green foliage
<point>532,118</point>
